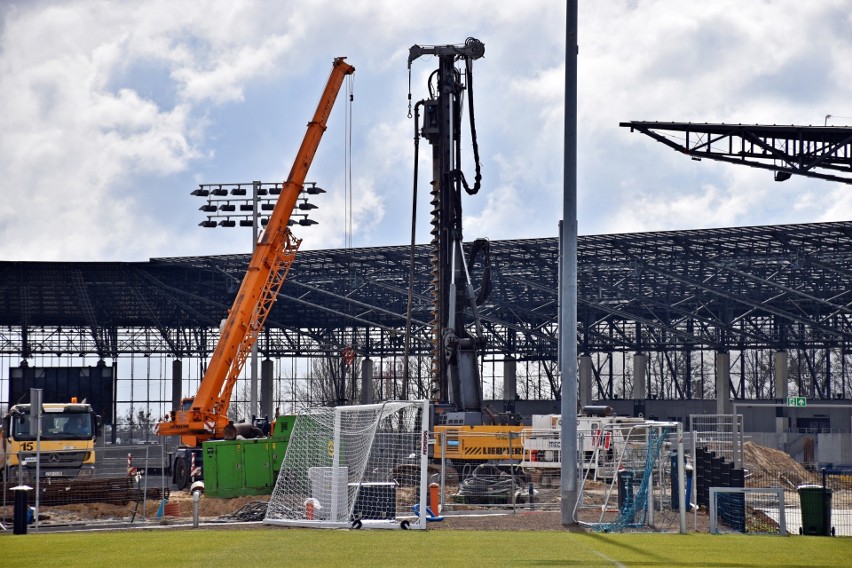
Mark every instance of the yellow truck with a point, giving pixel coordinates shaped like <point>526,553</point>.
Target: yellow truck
<point>66,445</point>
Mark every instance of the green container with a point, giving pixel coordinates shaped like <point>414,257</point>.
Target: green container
<point>233,468</point>
<point>816,510</point>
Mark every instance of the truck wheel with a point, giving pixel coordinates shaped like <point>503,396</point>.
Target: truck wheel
<point>181,474</point>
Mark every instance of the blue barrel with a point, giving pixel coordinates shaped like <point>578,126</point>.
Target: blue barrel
<point>689,475</point>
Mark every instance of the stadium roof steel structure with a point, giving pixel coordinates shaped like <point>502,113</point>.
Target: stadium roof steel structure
<point>767,287</point>
<point>823,152</point>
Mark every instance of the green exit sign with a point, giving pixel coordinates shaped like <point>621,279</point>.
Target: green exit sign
<point>797,401</point>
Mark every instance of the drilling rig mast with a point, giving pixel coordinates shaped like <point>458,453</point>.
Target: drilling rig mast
<point>457,338</point>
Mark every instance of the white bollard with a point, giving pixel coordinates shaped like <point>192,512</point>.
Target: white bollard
<point>197,490</point>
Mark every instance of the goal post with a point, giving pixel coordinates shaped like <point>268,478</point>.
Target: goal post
<point>747,510</point>
<point>355,466</point>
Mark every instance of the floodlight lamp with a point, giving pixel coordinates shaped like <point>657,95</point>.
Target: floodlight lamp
<point>291,222</point>
<point>307,222</point>
<point>782,176</point>
<point>246,207</point>
<point>227,223</point>
<point>262,191</point>
<point>267,206</point>
<point>305,206</point>
<point>314,190</point>
<point>227,207</point>
<point>208,208</point>
<point>219,191</point>
<point>246,223</point>
<point>238,191</point>
<point>207,224</point>
<point>275,190</point>
<point>200,192</point>
<point>264,221</point>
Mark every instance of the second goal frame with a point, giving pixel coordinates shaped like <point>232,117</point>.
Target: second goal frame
<point>714,507</point>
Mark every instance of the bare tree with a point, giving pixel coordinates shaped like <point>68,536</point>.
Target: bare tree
<point>140,422</point>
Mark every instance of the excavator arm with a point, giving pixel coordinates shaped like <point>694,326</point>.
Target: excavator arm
<point>204,417</point>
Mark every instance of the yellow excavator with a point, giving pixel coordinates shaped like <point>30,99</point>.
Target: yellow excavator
<point>205,416</point>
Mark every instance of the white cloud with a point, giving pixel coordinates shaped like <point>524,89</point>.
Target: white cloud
<point>114,111</point>
<point>76,143</point>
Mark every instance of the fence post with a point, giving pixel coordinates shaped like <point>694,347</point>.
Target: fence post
<point>512,473</point>
<point>443,465</point>
<point>145,484</point>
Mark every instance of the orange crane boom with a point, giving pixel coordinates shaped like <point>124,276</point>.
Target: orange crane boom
<point>204,416</point>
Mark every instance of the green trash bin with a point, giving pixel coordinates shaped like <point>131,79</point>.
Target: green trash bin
<point>816,510</point>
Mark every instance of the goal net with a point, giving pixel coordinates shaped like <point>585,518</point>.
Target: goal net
<point>628,482</point>
<point>355,466</point>
<point>752,510</point>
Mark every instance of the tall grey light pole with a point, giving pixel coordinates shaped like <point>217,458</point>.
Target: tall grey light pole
<point>255,186</point>
<point>568,278</point>
<point>227,204</point>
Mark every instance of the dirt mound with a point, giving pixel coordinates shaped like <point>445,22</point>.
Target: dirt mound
<point>768,463</point>
<point>769,460</point>
<point>212,507</point>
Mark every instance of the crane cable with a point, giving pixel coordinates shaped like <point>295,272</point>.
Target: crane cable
<point>348,344</point>
<point>411,255</point>
<point>347,160</point>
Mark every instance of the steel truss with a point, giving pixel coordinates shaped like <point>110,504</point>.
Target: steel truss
<point>823,152</point>
<point>676,294</point>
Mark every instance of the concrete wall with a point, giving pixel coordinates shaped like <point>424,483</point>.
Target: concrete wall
<point>834,449</point>
<point>829,449</point>
<point>758,415</point>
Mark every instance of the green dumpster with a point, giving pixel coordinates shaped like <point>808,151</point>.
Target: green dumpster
<point>816,510</point>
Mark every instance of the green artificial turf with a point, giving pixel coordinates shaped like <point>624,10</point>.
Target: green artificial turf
<point>268,547</point>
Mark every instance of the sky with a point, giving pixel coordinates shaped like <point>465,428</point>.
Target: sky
<point>113,112</point>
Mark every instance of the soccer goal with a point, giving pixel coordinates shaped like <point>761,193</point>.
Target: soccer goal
<point>355,466</point>
<point>630,480</point>
<point>753,510</point>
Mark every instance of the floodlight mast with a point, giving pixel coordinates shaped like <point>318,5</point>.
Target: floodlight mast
<point>205,416</point>
<point>231,205</point>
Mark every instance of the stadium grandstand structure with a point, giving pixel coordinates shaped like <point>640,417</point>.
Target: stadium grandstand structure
<point>770,287</point>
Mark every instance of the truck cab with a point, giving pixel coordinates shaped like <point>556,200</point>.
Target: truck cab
<point>65,448</point>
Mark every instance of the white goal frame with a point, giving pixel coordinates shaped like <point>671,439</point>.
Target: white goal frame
<point>633,438</point>
<point>338,468</point>
<point>777,491</point>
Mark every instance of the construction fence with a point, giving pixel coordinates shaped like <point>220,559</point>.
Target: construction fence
<point>128,484</point>
<point>521,471</point>
<point>814,501</point>
<point>132,484</point>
